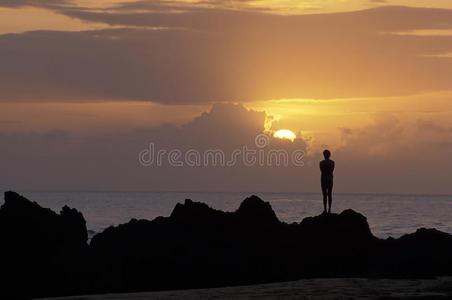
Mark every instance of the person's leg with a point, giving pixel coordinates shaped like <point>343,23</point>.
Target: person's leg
<point>330,196</point>
<point>325,195</point>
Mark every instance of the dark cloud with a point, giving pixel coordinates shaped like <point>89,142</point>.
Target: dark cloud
<point>386,18</point>
<point>207,55</point>
<point>34,3</point>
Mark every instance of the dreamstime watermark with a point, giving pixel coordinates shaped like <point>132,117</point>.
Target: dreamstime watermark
<point>249,157</point>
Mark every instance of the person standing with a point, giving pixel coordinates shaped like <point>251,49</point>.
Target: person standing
<point>327,168</point>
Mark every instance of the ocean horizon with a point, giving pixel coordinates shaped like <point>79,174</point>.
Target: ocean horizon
<point>388,215</point>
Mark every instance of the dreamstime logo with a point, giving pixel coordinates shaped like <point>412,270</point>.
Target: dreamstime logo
<point>262,140</point>
<point>249,157</point>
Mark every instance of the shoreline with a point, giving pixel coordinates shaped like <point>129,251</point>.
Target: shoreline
<point>317,288</point>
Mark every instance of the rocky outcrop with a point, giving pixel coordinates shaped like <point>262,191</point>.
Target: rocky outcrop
<point>197,246</point>
<point>42,253</point>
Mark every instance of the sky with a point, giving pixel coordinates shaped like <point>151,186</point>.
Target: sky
<point>87,86</point>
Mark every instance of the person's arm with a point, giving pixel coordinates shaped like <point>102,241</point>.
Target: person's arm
<point>332,166</point>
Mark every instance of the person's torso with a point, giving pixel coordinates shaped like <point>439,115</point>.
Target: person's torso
<point>327,168</point>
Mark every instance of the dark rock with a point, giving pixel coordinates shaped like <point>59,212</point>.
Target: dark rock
<point>196,213</point>
<point>42,252</point>
<point>255,211</point>
<point>197,246</point>
<point>425,253</point>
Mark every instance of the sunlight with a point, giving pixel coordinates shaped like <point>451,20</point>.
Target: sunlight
<point>285,134</point>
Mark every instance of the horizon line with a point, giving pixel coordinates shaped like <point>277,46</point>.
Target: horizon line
<point>222,192</point>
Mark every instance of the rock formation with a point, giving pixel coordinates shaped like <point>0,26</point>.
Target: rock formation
<point>42,253</point>
<point>196,246</point>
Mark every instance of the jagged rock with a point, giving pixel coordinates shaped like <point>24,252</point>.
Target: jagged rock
<point>42,252</point>
<point>425,253</point>
<point>196,213</point>
<point>197,246</point>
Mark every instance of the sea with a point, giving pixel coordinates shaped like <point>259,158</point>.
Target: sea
<point>388,215</point>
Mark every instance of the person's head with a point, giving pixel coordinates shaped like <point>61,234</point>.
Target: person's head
<point>327,154</point>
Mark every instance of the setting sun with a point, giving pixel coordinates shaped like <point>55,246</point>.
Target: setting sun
<point>285,134</point>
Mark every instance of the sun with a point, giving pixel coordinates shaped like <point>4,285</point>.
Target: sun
<point>285,134</point>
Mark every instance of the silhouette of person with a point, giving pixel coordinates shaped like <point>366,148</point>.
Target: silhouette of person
<point>327,168</point>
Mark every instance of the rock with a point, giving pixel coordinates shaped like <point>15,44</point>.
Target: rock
<point>348,226</point>
<point>74,226</point>
<point>42,252</point>
<point>425,253</point>
<point>46,254</point>
<point>196,213</point>
<point>255,211</point>
<point>205,247</point>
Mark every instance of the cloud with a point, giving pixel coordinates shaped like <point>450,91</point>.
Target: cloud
<point>60,160</point>
<point>34,3</point>
<point>205,55</point>
<point>391,155</point>
<point>395,156</point>
<point>212,18</point>
<point>6,122</point>
<point>429,125</point>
